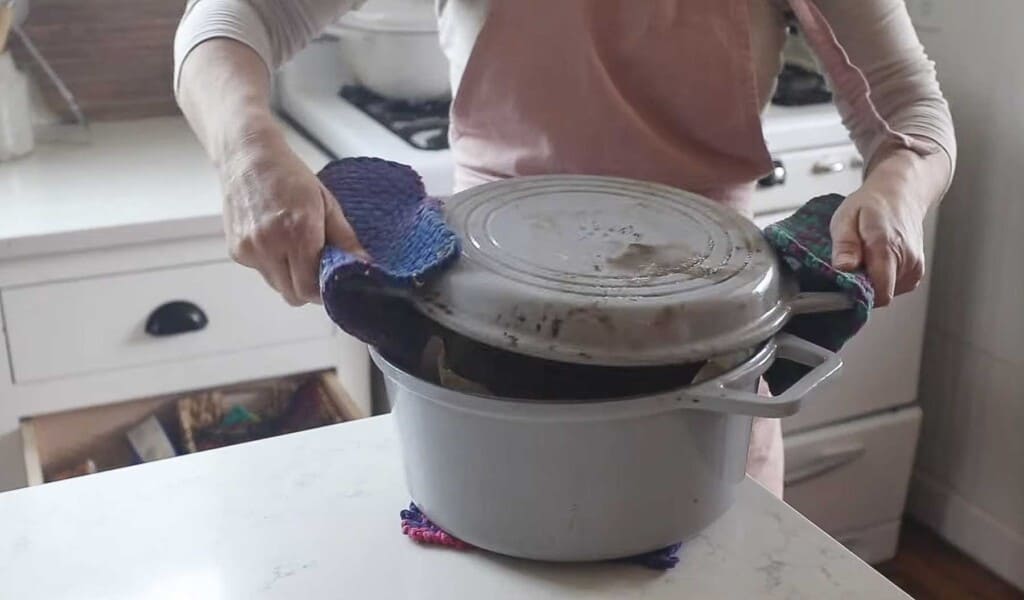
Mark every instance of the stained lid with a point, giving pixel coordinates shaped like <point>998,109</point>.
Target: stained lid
<point>601,270</point>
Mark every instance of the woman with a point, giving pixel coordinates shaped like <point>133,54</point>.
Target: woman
<point>661,90</point>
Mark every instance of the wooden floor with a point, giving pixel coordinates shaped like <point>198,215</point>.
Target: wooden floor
<point>928,568</point>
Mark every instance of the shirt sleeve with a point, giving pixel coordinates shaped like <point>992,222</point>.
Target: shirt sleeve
<point>274,29</point>
<point>880,42</point>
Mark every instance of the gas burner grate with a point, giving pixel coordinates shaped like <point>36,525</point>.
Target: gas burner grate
<point>798,86</point>
<point>422,124</point>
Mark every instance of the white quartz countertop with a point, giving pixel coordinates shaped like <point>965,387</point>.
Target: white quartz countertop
<point>315,515</point>
<point>131,182</point>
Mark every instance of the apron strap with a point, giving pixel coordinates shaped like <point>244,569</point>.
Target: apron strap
<point>850,83</point>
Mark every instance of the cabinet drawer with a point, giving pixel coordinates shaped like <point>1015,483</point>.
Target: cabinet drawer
<point>96,324</point>
<point>852,475</point>
<point>63,441</point>
<point>810,173</point>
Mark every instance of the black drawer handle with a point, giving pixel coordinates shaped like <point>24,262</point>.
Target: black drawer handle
<point>175,318</point>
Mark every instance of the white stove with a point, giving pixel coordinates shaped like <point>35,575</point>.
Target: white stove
<point>840,442</point>
<point>315,93</point>
<point>308,91</point>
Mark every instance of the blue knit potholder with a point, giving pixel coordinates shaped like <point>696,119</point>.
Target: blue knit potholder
<point>408,241</point>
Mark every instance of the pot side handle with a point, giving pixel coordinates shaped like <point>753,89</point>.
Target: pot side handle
<point>717,395</point>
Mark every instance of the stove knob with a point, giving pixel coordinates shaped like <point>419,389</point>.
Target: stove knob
<point>776,177</point>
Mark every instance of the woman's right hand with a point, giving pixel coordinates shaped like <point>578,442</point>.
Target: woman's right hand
<point>278,216</point>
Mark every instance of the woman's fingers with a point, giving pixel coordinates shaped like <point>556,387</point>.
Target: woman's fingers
<point>881,267</point>
<point>304,267</point>
<point>847,247</point>
<point>277,273</point>
<point>869,234</point>
<point>910,277</point>
<point>337,230</point>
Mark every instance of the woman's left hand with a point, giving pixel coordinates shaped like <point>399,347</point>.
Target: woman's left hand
<point>880,228</point>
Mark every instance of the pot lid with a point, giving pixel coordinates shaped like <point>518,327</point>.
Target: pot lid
<point>391,15</point>
<point>603,270</point>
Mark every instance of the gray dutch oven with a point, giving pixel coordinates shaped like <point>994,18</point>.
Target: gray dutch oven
<point>612,272</point>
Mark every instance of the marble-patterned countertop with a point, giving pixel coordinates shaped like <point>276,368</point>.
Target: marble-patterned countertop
<point>126,182</point>
<point>315,515</point>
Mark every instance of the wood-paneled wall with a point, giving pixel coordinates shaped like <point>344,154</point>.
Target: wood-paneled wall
<point>114,55</point>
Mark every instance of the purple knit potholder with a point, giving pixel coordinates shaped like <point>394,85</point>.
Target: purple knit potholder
<point>408,241</point>
<point>420,529</point>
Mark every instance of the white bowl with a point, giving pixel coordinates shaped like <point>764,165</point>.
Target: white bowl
<point>407,65</point>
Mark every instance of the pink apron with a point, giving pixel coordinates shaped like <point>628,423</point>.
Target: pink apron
<point>658,90</point>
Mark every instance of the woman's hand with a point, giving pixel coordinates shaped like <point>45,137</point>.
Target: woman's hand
<point>880,230</point>
<point>880,227</point>
<point>278,216</point>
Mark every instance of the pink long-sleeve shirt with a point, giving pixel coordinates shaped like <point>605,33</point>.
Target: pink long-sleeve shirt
<point>675,85</point>
<point>877,35</point>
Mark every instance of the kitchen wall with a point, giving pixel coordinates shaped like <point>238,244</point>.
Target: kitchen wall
<point>969,477</point>
<point>114,55</point>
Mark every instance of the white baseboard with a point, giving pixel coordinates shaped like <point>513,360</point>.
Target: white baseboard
<point>967,527</point>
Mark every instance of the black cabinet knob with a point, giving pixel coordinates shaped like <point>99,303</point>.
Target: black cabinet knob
<point>776,177</point>
<point>174,318</point>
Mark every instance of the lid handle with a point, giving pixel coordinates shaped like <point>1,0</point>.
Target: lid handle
<point>717,394</point>
<point>819,302</point>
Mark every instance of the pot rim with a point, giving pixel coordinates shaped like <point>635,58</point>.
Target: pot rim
<point>719,395</point>
<point>571,410</point>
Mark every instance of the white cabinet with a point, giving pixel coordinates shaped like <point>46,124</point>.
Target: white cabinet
<point>881,363</point>
<point>849,451</point>
<point>874,544</point>
<point>74,343</point>
<point>852,477</point>
<point>131,224</point>
<point>99,323</point>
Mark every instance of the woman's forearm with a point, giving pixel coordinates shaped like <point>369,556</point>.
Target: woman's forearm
<point>921,179</point>
<point>880,40</point>
<point>224,52</point>
<point>277,214</point>
<point>224,92</point>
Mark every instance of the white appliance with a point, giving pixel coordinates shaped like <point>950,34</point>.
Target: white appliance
<point>307,91</point>
<point>849,451</point>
